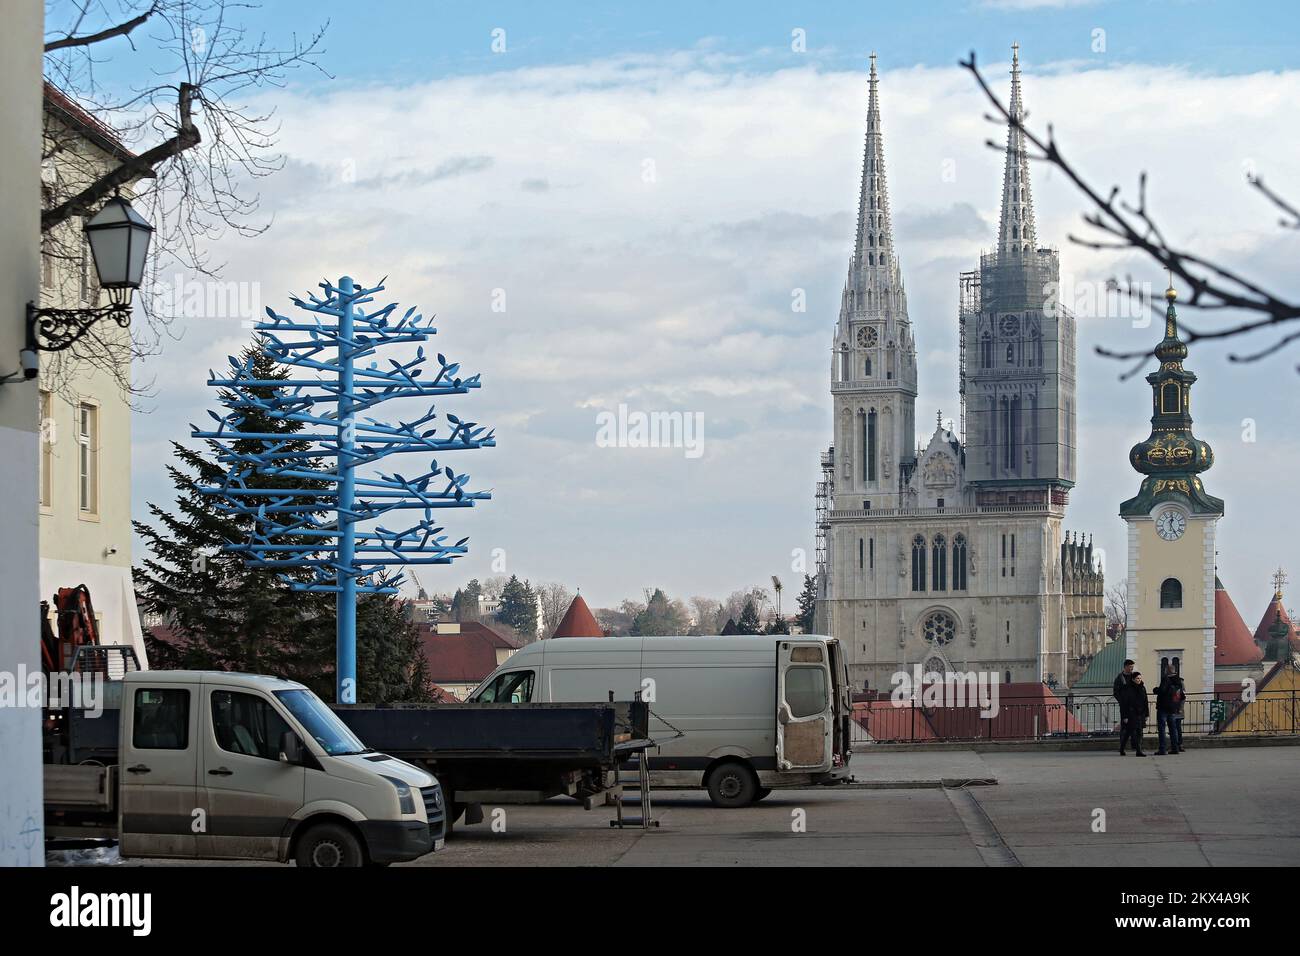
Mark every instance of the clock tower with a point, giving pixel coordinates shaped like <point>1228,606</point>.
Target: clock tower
<point>1171,530</point>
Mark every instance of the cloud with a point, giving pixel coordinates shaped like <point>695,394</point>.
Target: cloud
<point>689,201</point>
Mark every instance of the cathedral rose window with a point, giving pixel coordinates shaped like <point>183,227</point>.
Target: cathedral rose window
<point>940,628</point>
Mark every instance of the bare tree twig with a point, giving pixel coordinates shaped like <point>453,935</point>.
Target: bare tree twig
<point>1211,286</point>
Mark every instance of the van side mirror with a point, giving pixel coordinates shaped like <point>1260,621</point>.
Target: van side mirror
<point>290,748</point>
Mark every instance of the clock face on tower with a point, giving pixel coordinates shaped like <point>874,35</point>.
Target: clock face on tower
<point>867,337</point>
<point>1170,524</point>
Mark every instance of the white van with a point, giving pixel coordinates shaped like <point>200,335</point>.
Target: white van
<point>754,712</point>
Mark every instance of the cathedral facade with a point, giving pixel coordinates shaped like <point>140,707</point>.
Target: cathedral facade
<point>949,551</point>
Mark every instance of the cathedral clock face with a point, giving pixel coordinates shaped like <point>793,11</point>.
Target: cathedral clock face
<point>1170,524</point>
<point>1010,326</point>
<point>867,337</point>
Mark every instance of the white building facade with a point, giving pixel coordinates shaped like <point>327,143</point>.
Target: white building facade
<point>937,552</point>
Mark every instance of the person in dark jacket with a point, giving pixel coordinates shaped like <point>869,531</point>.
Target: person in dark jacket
<point>1117,691</point>
<point>1135,711</point>
<point>1169,711</point>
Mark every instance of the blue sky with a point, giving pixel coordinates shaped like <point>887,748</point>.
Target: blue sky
<point>458,171</point>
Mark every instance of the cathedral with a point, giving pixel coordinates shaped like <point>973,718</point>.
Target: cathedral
<point>949,551</point>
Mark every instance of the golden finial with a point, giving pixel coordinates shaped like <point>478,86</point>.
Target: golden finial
<point>1170,293</point>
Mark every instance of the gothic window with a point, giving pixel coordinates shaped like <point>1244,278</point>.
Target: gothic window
<point>939,564</point>
<point>935,666</point>
<point>986,350</point>
<point>844,363</point>
<point>1014,437</point>
<point>870,451</point>
<point>1011,355</point>
<point>918,563</point>
<point>1171,593</point>
<point>940,628</point>
<point>959,563</point>
<point>866,368</point>
<point>1006,432</point>
<point>871,258</point>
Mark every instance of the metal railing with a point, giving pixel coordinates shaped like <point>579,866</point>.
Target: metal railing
<point>1068,717</point>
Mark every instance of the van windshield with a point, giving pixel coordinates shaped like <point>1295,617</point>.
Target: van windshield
<point>321,723</point>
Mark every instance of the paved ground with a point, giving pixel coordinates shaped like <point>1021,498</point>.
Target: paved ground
<point>1203,808</point>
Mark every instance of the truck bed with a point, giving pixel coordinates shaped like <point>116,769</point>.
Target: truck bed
<point>582,736</point>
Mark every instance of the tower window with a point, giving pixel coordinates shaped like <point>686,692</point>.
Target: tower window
<point>1171,593</point>
<point>939,564</point>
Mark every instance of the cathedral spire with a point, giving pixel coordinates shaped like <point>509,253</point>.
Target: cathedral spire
<point>874,280</point>
<point>1016,233</point>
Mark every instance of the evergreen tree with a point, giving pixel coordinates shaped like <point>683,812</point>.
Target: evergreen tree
<point>227,616</point>
<point>749,622</point>
<point>807,604</point>
<point>660,616</point>
<point>514,610</point>
<point>391,666</point>
<point>778,625</point>
<point>470,599</point>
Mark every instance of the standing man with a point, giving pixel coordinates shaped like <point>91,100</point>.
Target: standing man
<point>1117,691</point>
<point>1169,711</point>
<point>1135,711</point>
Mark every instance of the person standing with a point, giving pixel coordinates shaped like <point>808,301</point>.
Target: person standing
<point>1117,691</point>
<point>1169,711</point>
<point>1135,710</point>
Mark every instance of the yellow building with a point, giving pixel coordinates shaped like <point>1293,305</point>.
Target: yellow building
<point>84,486</point>
<point>1275,707</point>
<point>1171,531</point>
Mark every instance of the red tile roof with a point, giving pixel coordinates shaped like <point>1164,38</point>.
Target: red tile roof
<point>1262,637</point>
<point>1232,641</point>
<point>464,658</point>
<point>71,112</point>
<point>578,621</point>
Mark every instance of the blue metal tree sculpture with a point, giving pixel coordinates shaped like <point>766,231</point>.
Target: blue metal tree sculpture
<point>323,520</point>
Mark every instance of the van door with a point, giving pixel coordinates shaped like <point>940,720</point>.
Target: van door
<point>250,794</point>
<point>159,772</point>
<point>804,707</point>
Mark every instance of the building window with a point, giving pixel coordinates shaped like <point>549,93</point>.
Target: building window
<point>939,564</point>
<point>1170,399</point>
<point>940,628</point>
<point>871,553</point>
<point>1171,593</point>
<point>1013,555</point>
<point>47,448</point>
<point>986,350</point>
<point>959,563</point>
<point>1008,677</point>
<point>871,445</point>
<point>88,458</point>
<point>918,563</point>
<point>866,368</point>
<point>860,554</point>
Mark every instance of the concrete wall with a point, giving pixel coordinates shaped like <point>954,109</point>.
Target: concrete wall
<point>21,832</point>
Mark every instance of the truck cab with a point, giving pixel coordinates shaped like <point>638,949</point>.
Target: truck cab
<point>218,765</point>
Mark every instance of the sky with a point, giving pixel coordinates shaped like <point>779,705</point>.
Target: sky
<point>649,189</point>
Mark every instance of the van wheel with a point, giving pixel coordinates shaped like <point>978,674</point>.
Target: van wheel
<point>762,793</point>
<point>329,844</point>
<point>732,785</point>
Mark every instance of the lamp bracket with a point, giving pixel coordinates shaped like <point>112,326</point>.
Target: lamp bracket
<point>53,330</point>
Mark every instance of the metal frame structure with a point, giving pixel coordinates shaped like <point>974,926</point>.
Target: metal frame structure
<point>326,525</point>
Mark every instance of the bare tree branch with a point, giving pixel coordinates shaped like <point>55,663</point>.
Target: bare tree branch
<point>1211,286</point>
<point>120,30</point>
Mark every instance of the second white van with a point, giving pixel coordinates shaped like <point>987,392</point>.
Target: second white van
<point>739,716</point>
